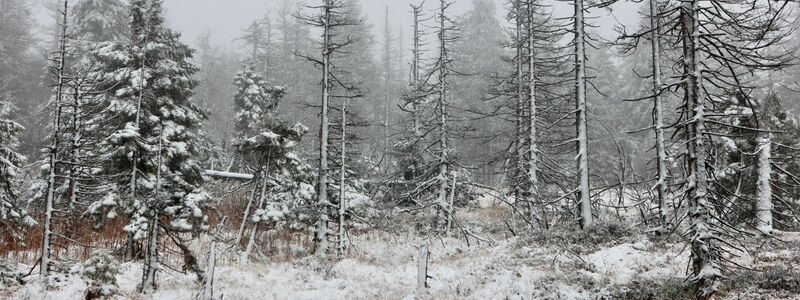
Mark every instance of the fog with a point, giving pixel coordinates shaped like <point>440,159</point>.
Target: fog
<point>225,19</point>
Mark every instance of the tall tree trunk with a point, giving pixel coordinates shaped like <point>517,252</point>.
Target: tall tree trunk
<point>580,118</point>
<point>764,199</point>
<point>661,152</point>
<point>415,68</point>
<point>442,111</point>
<point>321,234</point>
<point>387,81</point>
<point>130,241</point>
<point>519,132</point>
<point>342,201</point>
<point>533,151</point>
<point>267,47</point>
<point>53,160</point>
<point>151,258</point>
<point>705,255</point>
<point>75,147</point>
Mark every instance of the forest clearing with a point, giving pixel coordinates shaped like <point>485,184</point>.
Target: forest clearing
<point>377,149</point>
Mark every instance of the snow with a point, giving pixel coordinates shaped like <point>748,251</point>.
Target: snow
<point>730,145</point>
<point>623,263</point>
<point>220,174</point>
<point>71,287</point>
<point>385,267</point>
<point>181,224</point>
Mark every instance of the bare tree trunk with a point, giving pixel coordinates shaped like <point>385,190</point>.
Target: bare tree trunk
<point>254,229</point>
<point>75,147</point>
<point>764,199</point>
<point>661,152</point>
<point>151,258</point>
<point>247,209</point>
<point>342,201</point>
<point>518,150</point>
<point>51,181</point>
<point>135,168</point>
<point>582,131</point>
<point>415,68</point>
<point>422,268</point>
<point>451,206</point>
<point>321,234</point>
<point>129,243</point>
<point>533,162</point>
<point>442,105</point>
<point>387,81</point>
<point>211,264</point>
<point>705,255</point>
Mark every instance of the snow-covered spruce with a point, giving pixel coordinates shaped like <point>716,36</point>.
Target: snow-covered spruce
<point>153,134</point>
<point>100,272</point>
<point>254,102</point>
<point>267,144</point>
<point>12,216</point>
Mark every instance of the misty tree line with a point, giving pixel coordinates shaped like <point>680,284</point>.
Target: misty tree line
<point>682,119</point>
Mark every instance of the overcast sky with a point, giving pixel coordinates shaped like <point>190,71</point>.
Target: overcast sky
<point>225,19</point>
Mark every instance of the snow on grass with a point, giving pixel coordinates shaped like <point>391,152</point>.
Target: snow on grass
<point>623,263</point>
<point>384,266</point>
<point>71,287</point>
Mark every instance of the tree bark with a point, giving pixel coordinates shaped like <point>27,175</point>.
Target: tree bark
<point>533,158</point>
<point>247,209</point>
<point>582,157</point>
<point>342,201</point>
<point>422,267</point>
<point>764,204</point>
<point>321,230</point>
<point>442,111</point>
<point>705,255</point>
<point>53,160</point>
<point>661,152</point>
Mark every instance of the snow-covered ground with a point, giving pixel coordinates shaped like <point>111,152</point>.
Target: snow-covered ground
<point>609,264</point>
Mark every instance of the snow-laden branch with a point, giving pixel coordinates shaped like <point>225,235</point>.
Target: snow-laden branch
<point>228,175</point>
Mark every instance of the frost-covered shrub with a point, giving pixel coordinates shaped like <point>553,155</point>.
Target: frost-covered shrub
<point>599,235</point>
<point>774,280</point>
<point>8,276</point>
<point>100,272</point>
<point>62,274</point>
<point>272,212</point>
<point>672,288</point>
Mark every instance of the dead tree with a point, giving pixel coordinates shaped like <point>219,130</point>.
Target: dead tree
<point>720,48</point>
<point>333,22</point>
<point>582,139</point>
<point>60,86</point>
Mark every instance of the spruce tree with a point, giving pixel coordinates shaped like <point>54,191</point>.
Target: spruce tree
<point>152,131</point>
<point>101,20</point>
<point>12,216</point>
<point>266,145</point>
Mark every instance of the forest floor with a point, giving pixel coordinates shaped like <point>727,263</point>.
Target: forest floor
<point>609,262</point>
